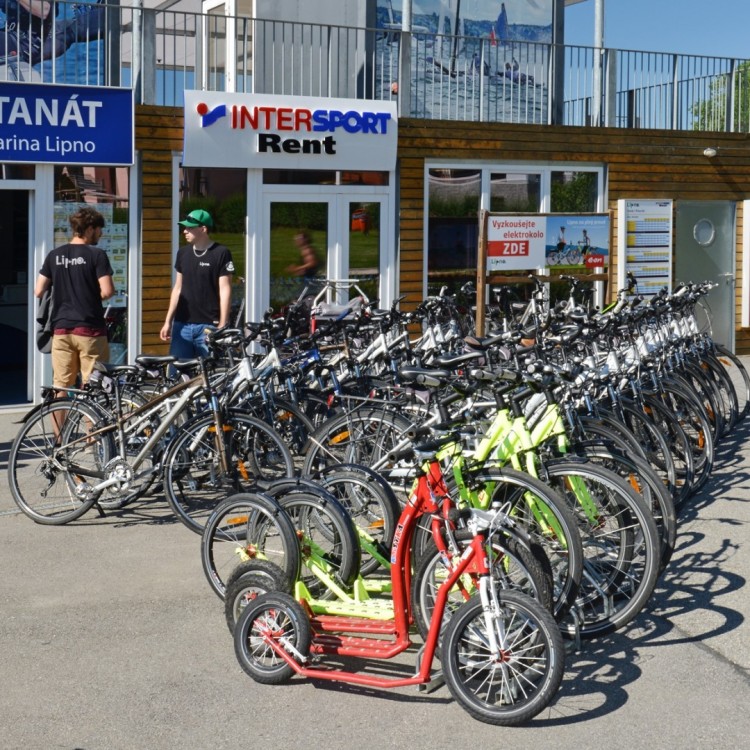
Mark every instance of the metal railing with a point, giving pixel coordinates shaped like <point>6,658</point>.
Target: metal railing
<point>161,53</point>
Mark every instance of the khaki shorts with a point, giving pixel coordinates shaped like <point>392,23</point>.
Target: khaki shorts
<point>72,354</point>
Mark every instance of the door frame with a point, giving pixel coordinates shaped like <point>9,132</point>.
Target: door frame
<point>338,198</point>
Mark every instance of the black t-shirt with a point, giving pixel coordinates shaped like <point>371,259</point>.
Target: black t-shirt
<point>75,271</point>
<point>199,298</point>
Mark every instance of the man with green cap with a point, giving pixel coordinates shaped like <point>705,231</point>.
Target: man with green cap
<point>202,294</point>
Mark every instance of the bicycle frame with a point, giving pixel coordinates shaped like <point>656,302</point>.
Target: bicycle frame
<point>132,422</point>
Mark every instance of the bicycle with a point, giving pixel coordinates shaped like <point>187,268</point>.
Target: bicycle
<point>71,452</point>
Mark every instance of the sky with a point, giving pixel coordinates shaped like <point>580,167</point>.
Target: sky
<point>719,28</point>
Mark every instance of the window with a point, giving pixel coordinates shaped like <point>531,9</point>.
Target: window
<point>455,194</point>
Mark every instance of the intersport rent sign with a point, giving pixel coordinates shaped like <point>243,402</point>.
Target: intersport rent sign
<point>282,132</point>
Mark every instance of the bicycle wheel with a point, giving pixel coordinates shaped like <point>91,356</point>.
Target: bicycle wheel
<point>655,448</point>
<point>372,505</point>
<point>248,581</point>
<point>194,478</point>
<point>511,686</point>
<point>273,616</point>
<point>286,418</point>
<point>514,565</point>
<point>643,480</point>
<point>247,526</point>
<point>728,402</point>
<point>738,375</point>
<point>133,485</point>
<point>620,542</point>
<point>669,426</point>
<point>325,532</point>
<point>54,463</point>
<point>548,520</point>
<point>694,421</point>
<point>365,436</point>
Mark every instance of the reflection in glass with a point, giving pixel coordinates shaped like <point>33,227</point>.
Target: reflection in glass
<point>364,247</point>
<point>288,221</point>
<point>453,228</point>
<point>574,192</point>
<point>515,193</point>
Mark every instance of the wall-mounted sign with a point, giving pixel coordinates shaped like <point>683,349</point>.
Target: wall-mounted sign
<point>288,132</point>
<point>66,124</point>
<point>558,241</point>
<point>645,244</point>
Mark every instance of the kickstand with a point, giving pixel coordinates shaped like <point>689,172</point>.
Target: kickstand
<point>100,510</point>
<point>436,678</point>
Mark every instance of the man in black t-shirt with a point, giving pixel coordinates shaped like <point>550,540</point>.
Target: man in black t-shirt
<point>80,275</point>
<point>202,294</point>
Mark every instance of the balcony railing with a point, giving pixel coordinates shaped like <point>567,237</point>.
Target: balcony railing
<point>161,53</point>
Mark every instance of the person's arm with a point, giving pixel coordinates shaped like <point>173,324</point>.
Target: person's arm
<point>41,286</point>
<point>225,299</point>
<point>106,286</point>
<point>166,330</point>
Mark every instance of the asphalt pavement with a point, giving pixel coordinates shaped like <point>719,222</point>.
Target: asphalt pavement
<point>110,638</point>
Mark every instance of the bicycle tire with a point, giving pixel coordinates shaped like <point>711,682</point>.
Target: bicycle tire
<point>678,443</point>
<point>637,473</point>
<point>41,481</point>
<point>243,527</point>
<point>288,420</point>
<point>324,528</point>
<point>694,421</point>
<point>548,520</point>
<point>655,447</point>
<point>275,615</point>
<point>728,402</point>
<point>621,546</point>
<point>372,505</point>
<point>516,566</point>
<point>194,481</point>
<point>249,580</point>
<point>513,689</point>
<point>364,436</point>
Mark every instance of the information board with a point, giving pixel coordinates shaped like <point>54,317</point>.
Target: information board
<point>645,244</point>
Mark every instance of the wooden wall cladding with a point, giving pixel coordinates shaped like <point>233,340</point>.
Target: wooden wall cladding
<point>639,164</point>
<point>158,134</point>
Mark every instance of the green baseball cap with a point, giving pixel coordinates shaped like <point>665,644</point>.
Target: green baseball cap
<point>197,218</point>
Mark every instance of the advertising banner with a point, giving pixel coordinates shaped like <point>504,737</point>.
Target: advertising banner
<point>558,241</point>
<point>66,124</point>
<point>288,132</point>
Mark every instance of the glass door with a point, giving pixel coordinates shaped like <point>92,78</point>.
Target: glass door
<point>325,234</point>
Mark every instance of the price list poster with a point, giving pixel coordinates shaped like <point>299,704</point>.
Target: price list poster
<point>645,244</point>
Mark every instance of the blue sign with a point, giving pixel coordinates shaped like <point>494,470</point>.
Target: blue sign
<point>48,124</point>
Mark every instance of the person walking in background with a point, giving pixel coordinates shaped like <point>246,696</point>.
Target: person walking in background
<point>202,294</point>
<point>80,275</point>
<point>309,262</point>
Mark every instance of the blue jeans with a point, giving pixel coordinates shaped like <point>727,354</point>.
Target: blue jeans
<point>189,340</point>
